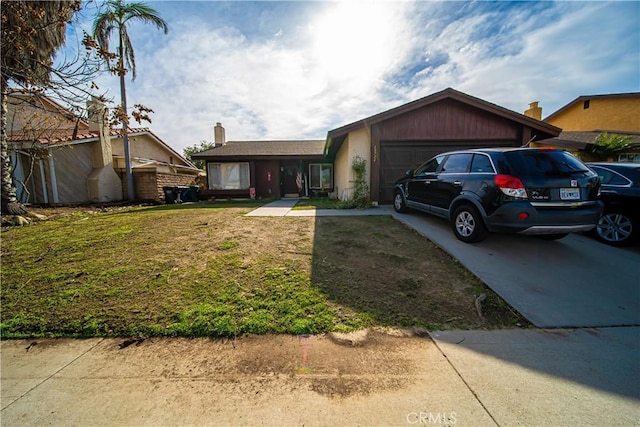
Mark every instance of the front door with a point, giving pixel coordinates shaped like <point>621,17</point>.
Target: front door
<point>290,178</point>
<point>267,179</point>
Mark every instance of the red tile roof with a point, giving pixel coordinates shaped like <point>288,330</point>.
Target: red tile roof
<point>59,137</point>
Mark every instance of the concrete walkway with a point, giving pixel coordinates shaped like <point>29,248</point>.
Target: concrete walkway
<point>283,207</point>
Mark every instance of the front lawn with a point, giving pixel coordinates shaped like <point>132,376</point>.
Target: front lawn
<point>207,270</point>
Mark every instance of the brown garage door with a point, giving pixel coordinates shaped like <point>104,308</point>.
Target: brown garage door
<point>396,157</point>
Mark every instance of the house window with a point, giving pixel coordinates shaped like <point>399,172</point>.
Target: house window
<point>320,176</point>
<point>629,157</point>
<point>585,106</point>
<point>228,176</point>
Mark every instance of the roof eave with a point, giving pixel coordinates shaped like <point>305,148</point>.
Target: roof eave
<point>588,97</point>
<point>439,96</point>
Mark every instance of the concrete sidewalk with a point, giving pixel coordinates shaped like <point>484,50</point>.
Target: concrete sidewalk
<point>392,378</point>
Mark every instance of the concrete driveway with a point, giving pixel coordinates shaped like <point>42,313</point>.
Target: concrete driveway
<point>572,282</point>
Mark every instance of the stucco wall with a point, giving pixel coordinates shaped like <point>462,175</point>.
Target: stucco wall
<point>146,147</point>
<point>615,114</point>
<point>357,143</point>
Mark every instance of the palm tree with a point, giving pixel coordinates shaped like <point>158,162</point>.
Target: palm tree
<point>115,18</point>
<point>32,32</point>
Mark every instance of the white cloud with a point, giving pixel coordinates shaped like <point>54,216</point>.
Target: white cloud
<point>334,63</point>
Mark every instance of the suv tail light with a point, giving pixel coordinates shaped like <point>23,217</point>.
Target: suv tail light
<point>511,186</point>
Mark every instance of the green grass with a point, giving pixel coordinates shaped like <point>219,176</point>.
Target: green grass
<point>317,203</point>
<point>206,270</point>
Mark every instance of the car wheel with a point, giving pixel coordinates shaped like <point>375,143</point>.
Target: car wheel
<point>616,228</point>
<point>399,203</point>
<point>468,225</point>
<point>555,236</point>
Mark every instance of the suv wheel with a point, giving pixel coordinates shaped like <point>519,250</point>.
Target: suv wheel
<point>399,203</point>
<point>467,224</point>
<point>615,228</point>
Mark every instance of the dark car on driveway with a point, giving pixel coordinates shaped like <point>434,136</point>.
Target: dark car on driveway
<point>620,192</point>
<point>537,191</point>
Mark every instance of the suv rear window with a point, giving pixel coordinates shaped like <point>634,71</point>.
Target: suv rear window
<point>545,163</point>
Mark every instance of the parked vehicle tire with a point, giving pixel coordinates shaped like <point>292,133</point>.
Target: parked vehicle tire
<point>399,204</point>
<point>467,224</point>
<point>616,228</point>
<point>555,236</point>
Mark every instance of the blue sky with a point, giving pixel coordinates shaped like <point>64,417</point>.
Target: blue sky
<point>288,70</point>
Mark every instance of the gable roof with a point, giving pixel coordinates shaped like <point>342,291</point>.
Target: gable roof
<point>448,93</point>
<point>79,134</point>
<point>66,138</point>
<point>45,103</point>
<point>257,149</point>
<point>583,98</point>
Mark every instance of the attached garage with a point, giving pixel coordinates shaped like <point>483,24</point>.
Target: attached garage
<point>402,138</point>
<point>397,157</point>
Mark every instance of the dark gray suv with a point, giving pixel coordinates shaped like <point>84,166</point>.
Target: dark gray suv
<point>538,191</point>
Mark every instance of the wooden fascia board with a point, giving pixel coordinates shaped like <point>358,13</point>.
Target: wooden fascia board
<point>260,157</point>
<point>448,93</point>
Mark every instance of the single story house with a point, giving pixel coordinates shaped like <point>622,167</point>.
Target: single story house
<point>60,158</point>
<point>265,169</point>
<point>390,142</point>
<point>400,139</point>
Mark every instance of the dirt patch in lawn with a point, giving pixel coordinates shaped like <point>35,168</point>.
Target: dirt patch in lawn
<point>378,267</point>
<point>208,270</point>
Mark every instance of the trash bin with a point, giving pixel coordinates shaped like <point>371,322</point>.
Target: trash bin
<point>182,194</point>
<point>169,195</point>
<point>194,193</point>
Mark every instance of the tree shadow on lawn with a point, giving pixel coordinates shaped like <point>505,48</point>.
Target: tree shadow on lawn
<point>378,272</point>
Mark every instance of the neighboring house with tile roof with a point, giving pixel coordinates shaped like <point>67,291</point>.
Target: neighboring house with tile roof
<point>585,118</point>
<point>61,158</point>
<point>266,169</point>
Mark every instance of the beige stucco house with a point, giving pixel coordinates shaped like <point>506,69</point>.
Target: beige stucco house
<point>60,158</point>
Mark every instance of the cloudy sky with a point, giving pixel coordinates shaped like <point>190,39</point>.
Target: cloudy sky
<point>289,70</point>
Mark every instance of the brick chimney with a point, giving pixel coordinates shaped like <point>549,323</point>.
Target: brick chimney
<point>534,111</point>
<point>218,135</point>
